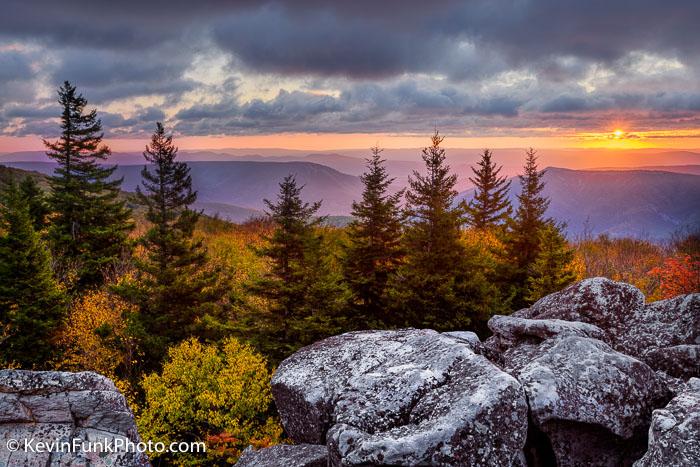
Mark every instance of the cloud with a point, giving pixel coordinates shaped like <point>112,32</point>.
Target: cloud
<point>362,65</point>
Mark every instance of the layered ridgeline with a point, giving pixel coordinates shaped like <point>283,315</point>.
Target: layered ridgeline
<point>649,204</point>
<point>645,203</point>
<point>236,189</point>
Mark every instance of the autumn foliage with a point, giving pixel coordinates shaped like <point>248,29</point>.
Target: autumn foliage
<point>677,275</point>
<point>215,393</point>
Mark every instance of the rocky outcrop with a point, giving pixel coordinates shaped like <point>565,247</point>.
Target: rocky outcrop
<point>298,455</point>
<point>589,405</point>
<point>572,380</point>
<point>69,408</point>
<point>665,334</point>
<point>409,397</point>
<point>674,436</point>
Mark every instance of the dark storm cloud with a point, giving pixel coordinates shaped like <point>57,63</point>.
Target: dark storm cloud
<point>368,37</point>
<point>365,107</point>
<point>375,54</point>
<point>108,75</point>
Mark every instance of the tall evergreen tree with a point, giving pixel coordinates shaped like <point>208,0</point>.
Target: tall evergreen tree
<point>32,304</point>
<point>35,199</point>
<point>176,288</point>
<point>429,286</point>
<point>552,269</point>
<point>375,251</point>
<point>523,243</point>
<point>490,206</point>
<point>91,224</point>
<point>529,217</point>
<point>304,294</point>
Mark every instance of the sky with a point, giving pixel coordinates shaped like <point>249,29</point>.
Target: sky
<point>311,74</point>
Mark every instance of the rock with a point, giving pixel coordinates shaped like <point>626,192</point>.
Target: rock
<point>466,336</point>
<point>674,436</point>
<point>681,361</point>
<point>298,455</point>
<point>53,406</point>
<point>522,330</point>
<point>589,404</point>
<point>599,301</point>
<point>666,335</point>
<point>403,397</point>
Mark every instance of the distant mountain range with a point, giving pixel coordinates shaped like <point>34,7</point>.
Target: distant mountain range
<point>646,202</point>
<point>636,203</point>
<point>236,189</point>
<point>402,162</point>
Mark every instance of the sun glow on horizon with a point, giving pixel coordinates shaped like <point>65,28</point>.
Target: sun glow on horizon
<point>616,138</point>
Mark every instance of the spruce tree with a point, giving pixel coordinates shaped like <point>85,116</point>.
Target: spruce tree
<point>89,232</point>
<point>176,288</point>
<point>35,199</point>
<point>523,242</point>
<point>490,206</point>
<point>552,269</point>
<point>375,251</point>
<point>427,286</point>
<point>302,291</point>
<point>32,304</point>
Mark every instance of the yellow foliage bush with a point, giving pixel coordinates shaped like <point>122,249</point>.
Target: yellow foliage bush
<point>216,394</point>
<point>95,336</point>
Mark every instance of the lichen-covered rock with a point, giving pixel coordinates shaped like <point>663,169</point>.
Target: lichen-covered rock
<point>297,455</point>
<point>589,402</point>
<point>403,397</point>
<point>52,406</point>
<point>674,436</point>
<point>666,335</point>
<point>599,301</point>
<point>521,330</point>
<point>466,336</point>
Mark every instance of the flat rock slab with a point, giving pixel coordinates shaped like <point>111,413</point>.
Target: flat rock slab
<point>297,455</point>
<point>405,397</point>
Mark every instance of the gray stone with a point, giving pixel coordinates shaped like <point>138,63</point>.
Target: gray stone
<point>405,397</point>
<point>674,436</point>
<point>297,455</point>
<point>466,336</point>
<point>666,335</point>
<point>598,301</point>
<point>536,330</point>
<point>59,407</point>
<point>589,402</point>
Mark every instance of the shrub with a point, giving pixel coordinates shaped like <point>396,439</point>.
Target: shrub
<point>219,395</point>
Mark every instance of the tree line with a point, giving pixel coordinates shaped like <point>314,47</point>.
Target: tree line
<point>418,257</point>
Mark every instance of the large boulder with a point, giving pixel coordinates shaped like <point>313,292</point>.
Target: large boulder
<point>665,334</point>
<point>297,455</point>
<point>403,397</point>
<point>599,301</point>
<point>589,404</point>
<point>674,436</point>
<point>52,406</point>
